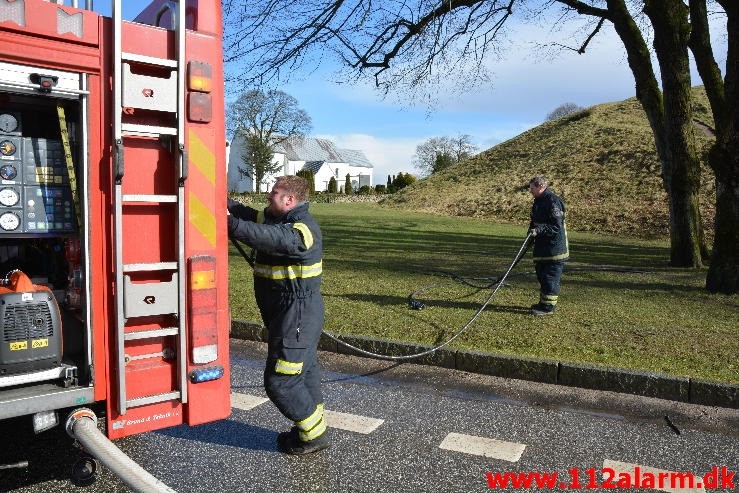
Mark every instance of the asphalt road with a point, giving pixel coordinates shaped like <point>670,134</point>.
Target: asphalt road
<point>410,428</point>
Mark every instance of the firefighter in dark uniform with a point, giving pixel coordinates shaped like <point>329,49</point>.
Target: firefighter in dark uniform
<point>287,279</point>
<point>551,248</point>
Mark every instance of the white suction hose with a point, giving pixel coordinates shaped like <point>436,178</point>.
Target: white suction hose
<point>82,426</point>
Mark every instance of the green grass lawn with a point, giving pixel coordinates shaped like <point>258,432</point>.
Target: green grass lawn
<point>620,305</point>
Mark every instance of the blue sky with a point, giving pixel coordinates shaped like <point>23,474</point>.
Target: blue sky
<point>524,89</point>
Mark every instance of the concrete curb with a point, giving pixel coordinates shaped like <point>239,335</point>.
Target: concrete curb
<point>648,384</point>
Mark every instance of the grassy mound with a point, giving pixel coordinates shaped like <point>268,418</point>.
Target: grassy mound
<point>601,160</point>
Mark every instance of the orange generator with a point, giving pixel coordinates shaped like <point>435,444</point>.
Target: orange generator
<point>112,215</point>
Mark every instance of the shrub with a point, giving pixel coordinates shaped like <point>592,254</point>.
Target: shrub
<point>578,116</point>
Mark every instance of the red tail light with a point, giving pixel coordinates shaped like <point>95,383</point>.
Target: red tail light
<point>199,107</point>
<point>202,311</point>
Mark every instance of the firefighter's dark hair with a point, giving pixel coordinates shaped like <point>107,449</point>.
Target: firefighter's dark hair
<point>294,185</point>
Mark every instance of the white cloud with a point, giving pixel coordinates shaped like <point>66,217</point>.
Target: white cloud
<point>530,82</point>
<point>388,155</point>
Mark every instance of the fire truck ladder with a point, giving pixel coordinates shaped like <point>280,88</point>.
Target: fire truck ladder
<point>137,300</point>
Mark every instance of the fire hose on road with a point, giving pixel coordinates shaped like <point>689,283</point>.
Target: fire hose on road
<point>82,426</point>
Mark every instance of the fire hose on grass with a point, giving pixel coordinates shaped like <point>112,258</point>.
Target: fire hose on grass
<point>82,426</point>
<point>494,285</point>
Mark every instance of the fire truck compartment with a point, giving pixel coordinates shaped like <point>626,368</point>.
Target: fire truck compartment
<point>45,344</point>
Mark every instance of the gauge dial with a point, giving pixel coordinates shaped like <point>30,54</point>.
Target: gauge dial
<point>7,148</point>
<point>8,123</point>
<point>8,197</point>
<point>9,221</point>
<point>8,172</point>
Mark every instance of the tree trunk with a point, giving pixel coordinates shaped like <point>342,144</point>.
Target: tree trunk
<point>681,166</point>
<point>723,274</point>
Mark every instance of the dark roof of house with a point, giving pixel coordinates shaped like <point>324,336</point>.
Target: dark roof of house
<point>314,166</point>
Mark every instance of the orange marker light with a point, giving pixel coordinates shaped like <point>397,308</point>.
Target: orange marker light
<point>199,76</point>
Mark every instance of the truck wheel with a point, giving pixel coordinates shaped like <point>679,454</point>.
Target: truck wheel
<point>84,470</point>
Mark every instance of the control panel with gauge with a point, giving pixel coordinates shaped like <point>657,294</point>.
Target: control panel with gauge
<point>9,124</point>
<point>35,193</point>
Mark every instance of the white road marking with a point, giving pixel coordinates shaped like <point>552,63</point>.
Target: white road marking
<point>246,401</point>
<point>334,419</point>
<point>646,472</point>
<point>486,447</point>
<point>351,422</point>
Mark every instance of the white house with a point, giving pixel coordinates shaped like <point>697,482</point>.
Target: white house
<point>319,155</point>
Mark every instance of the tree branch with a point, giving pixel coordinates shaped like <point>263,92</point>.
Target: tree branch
<point>637,52</point>
<point>700,45</point>
<point>587,41</point>
<point>586,9</point>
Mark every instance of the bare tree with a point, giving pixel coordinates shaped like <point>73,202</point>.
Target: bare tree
<point>406,44</point>
<point>564,110</point>
<point>264,119</point>
<point>438,153</point>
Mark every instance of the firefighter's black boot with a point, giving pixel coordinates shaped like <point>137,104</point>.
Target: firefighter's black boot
<point>540,309</point>
<point>289,442</point>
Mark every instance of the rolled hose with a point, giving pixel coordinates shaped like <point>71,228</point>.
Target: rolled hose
<point>82,426</point>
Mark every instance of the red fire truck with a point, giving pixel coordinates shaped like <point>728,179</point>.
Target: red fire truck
<point>113,264</point>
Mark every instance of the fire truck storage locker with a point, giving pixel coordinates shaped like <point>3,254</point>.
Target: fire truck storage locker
<point>113,260</point>
<point>45,355</point>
